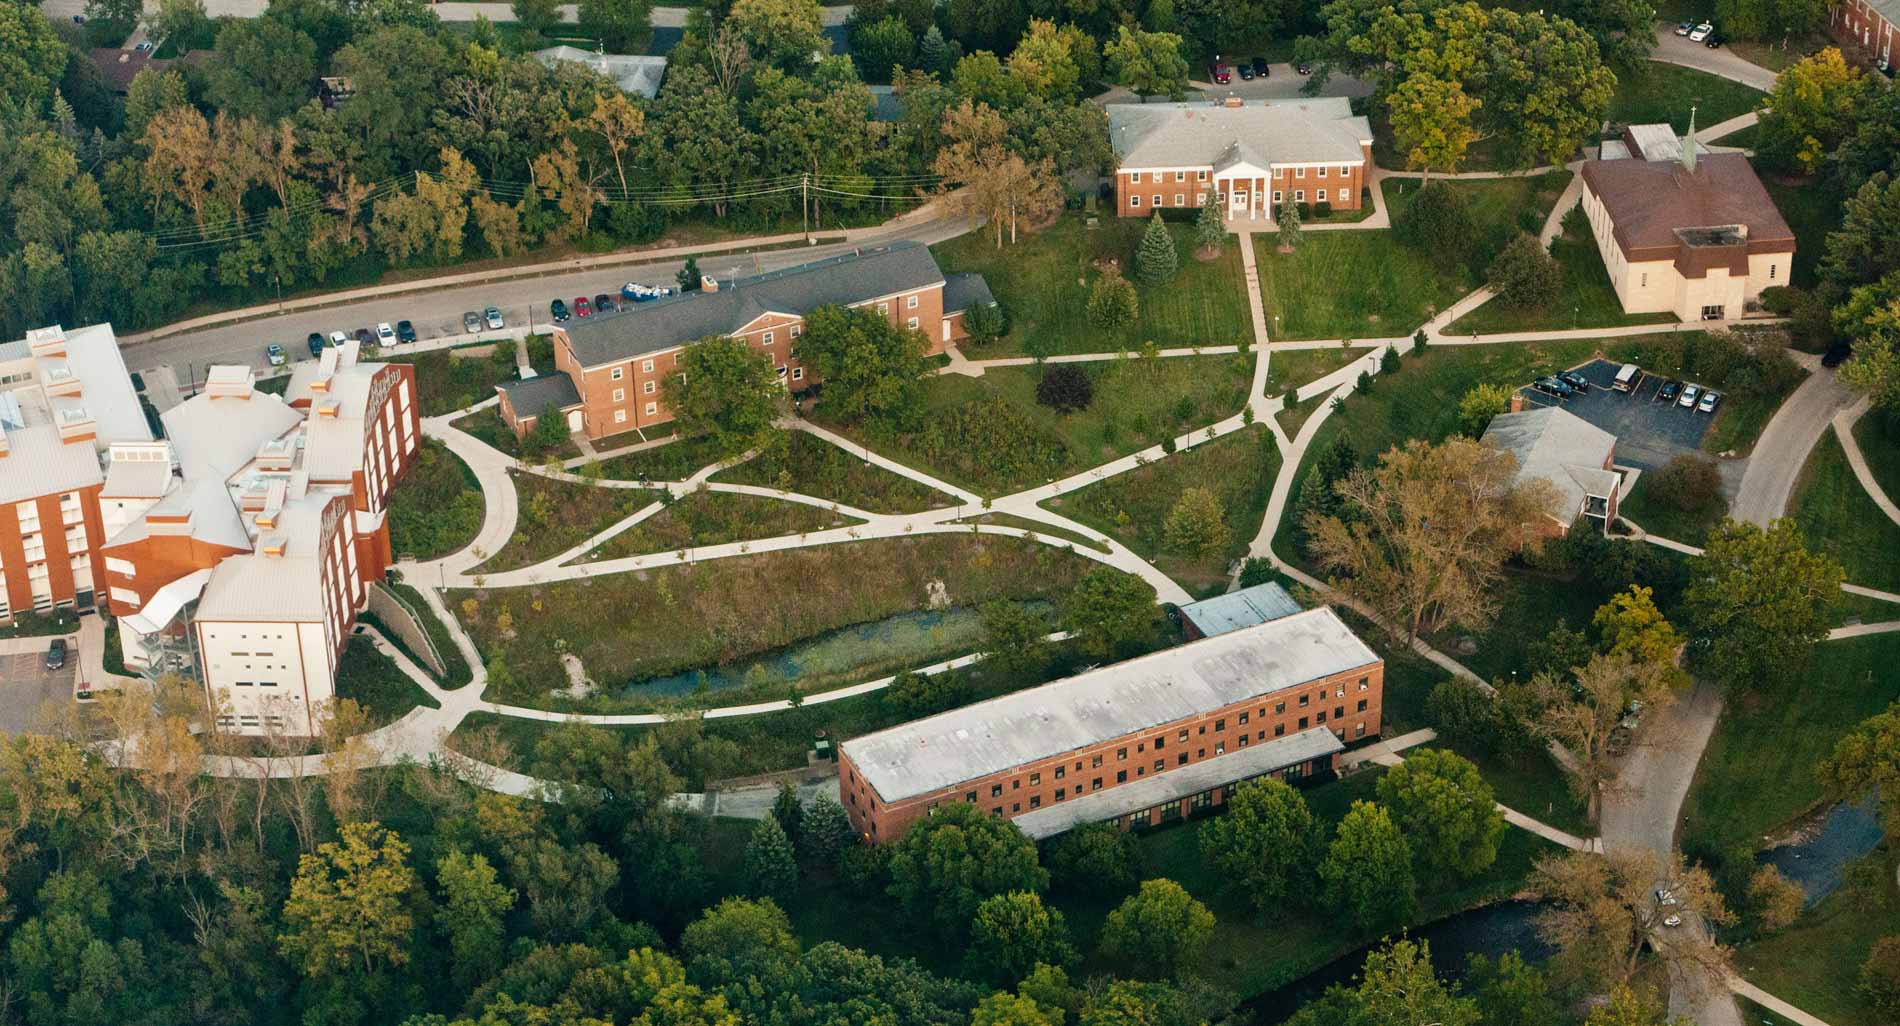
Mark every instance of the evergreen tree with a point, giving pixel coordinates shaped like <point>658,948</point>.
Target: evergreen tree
<point>789,813</point>
<point>689,277</point>
<point>826,833</point>
<point>1210,228</point>
<point>1289,221</point>
<point>1197,527</point>
<point>771,870</point>
<point>1155,260</point>
<point>934,53</point>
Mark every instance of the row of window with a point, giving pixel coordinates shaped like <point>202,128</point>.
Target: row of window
<point>1299,196</point>
<point>1134,178</point>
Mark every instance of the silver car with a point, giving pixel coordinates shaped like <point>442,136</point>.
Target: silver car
<point>1690,393</point>
<point>493,314</point>
<point>471,322</point>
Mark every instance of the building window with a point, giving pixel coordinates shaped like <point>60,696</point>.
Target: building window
<point>617,373</point>
<point>1096,784</point>
<point>910,302</point>
<point>1322,716</point>
<point>1299,195</point>
<point>1243,719</point>
<point>1645,279</point>
<point>1343,194</point>
<point>884,308</point>
<point>1121,776</point>
<point>1061,793</point>
<point>1200,176</point>
<point>1035,801</point>
<point>1319,173</point>
<point>797,330</point>
<point>911,324</point>
<point>1095,763</point>
<point>1220,748</point>
<point>1364,683</point>
<point>996,790</point>
<point>1015,806</point>
<point>798,373</point>
<point>1016,785</point>
<point>1279,730</point>
<point>1771,272</point>
<point>1178,198</point>
<point>1305,700</point>
<point>1157,177</point>
<point>1299,172</point>
<point>1181,760</point>
<point>1180,176</point>
<point>653,409</point>
<point>1302,723</point>
<point>1134,201</point>
<point>1060,771</point>
<point>1359,731</point>
<point>1160,742</point>
<point>1276,197</point>
<point>620,416</point>
<point>1243,740</point>
<point>620,395</point>
<point>1034,779</point>
<point>649,388</point>
<point>646,366</point>
<point>970,797</point>
<point>1220,724</point>
<point>765,339</point>
<point>1121,755</point>
<point>1362,705</point>
<point>1344,171</point>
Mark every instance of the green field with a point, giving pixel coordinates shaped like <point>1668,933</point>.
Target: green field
<point>1043,282</point>
<point>1813,963</point>
<point>1133,507</point>
<point>554,516</point>
<point>1663,520</point>
<point>812,466</point>
<point>1655,92</point>
<point>1758,773</point>
<point>1297,367</point>
<point>1837,517</point>
<point>1879,436</point>
<point>452,379</point>
<point>704,518</point>
<point>990,435</point>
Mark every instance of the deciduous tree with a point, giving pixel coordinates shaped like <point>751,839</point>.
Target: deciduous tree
<point>947,864</point>
<point>1864,761</point>
<point>1013,636</point>
<point>1148,63</point>
<point>1265,846</point>
<point>1106,609</point>
<point>1094,857</point>
<point>1158,932</point>
<point>1870,321</point>
<point>1582,715</point>
<point>991,181</point>
<point>1013,933</point>
<point>1431,122</point>
<point>1367,870</point>
<point>1603,911</point>
<point>727,391</point>
<point>1525,275</point>
<point>1760,600</point>
<point>473,915</point>
<point>1480,404</point>
<point>785,33</point>
<point>622,26</point>
<point>1809,111</point>
<point>1197,526</point>
<point>1112,301</point>
<point>871,368</point>
<point>348,909</point>
<point>1446,811</point>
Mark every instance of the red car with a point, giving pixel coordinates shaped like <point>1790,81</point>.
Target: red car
<point>581,307</point>
<point>1220,74</point>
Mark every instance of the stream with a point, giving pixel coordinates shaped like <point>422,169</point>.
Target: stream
<point>1490,931</point>
<point>1819,863</point>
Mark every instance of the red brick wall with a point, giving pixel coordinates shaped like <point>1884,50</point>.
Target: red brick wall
<point>1856,23</point>
<point>1286,180</point>
<point>1277,715</point>
<point>58,555</point>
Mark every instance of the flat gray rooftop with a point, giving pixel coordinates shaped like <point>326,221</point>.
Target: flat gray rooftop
<point>1103,704</point>
<point>1175,784</point>
<point>1237,609</point>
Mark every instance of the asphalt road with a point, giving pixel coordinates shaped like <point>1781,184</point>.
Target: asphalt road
<point>439,314</point>
<point>1785,443</point>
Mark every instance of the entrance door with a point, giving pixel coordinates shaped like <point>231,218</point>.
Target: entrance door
<point>573,421</point>
<point>1237,199</point>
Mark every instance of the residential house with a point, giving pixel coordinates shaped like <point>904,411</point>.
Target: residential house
<point>1158,738</point>
<point>1574,455</point>
<point>1250,155</point>
<point>612,365</point>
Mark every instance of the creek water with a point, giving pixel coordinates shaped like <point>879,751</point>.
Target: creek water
<point>1491,931</point>
<point>1819,863</point>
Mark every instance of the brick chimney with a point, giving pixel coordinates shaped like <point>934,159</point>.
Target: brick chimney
<point>1517,402</point>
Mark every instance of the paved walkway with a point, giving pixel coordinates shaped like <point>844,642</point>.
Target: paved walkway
<point>1844,422</point>
<point>1775,465</point>
<point>1386,753</point>
<point>1723,129</point>
<point>1774,1004</point>
<point>1674,49</point>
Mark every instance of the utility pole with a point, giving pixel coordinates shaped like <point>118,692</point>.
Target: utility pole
<point>804,203</point>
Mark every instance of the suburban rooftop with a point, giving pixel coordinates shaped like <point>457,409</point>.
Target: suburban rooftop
<point>1102,704</point>
<point>1305,131</point>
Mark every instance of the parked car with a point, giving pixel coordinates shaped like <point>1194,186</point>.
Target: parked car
<point>1246,71</point>
<point>1220,74</point>
<point>1715,40</point>
<point>471,322</point>
<point>364,337</point>
<point>558,310</point>
<point>145,47</point>
<point>1574,380</point>
<point>1261,68</point>
<point>79,19</point>
<point>635,292</point>
<point>275,354</point>
<point>1553,386</point>
<point>337,338</point>
<point>1709,401</point>
<point>1701,32</point>
<point>405,331</point>
<point>1837,354</point>
<point>1669,391</point>
<point>56,654</point>
<point>1664,896</point>
<point>315,342</point>
<point>493,316</point>
<point>583,308</point>
<point>1683,28</point>
<point>1690,393</point>
<point>1673,921</point>
<point>385,335</point>
<point>1304,68</point>
<point>604,303</point>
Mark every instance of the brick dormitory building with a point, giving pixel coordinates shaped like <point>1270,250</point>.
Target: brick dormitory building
<point>235,550</point>
<point>611,367</point>
<point>1147,741</point>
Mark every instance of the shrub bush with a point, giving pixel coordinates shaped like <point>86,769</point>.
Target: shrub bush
<point>1306,210</point>
<point>1324,208</point>
<point>1689,482</point>
<point>1524,275</point>
<point>1065,387</point>
<point>1437,221</point>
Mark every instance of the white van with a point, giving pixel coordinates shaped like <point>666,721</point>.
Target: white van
<point>1626,378</point>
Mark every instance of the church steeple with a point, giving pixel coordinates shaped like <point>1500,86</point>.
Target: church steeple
<point>1688,144</point>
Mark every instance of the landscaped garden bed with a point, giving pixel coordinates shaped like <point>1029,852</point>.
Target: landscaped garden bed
<point>437,506</point>
<point>1043,281</point>
<point>488,427</point>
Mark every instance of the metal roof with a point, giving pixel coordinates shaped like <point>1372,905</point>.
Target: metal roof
<point>1554,444</point>
<point>1103,704</point>
<point>633,73</point>
<point>639,328</point>
<point>1179,782</point>
<point>38,463</point>
<point>1237,609</point>
<point>1306,131</point>
<point>215,437</point>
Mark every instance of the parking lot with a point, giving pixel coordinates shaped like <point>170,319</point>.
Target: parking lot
<point>26,684</point>
<point>1649,432</point>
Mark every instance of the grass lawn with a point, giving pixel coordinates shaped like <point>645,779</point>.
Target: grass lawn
<point>989,434</point>
<point>486,425</point>
<point>1658,518</point>
<point>633,626</point>
<point>714,518</point>
<point>811,466</point>
<point>1758,772</point>
<point>675,461</point>
<point>1366,284</point>
<point>1529,605</point>
<point>1746,138</point>
<point>452,379</point>
<point>1587,299</point>
<point>1041,530</point>
<point>458,671</point>
<point>28,624</point>
<point>437,507</point>
<point>1132,507</point>
<point>1879,436</point>
<point>1421,401</point>
<point>1297,367</point>
<point>1812,209</point>
<point>1837,517</point>
<point>555,516</point>
<point>1043,283</point>
<point>377,684</point>
<point>1654,92</point>
<point>1813,963</point>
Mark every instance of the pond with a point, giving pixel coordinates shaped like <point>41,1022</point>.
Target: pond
<point>908,639</point>
<point>1491,931</point>
<point>1818,863</point>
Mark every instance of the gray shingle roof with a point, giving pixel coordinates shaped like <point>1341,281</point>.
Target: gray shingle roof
<point>530,396</point>
<point>964,290</point>
<point>1315,131</point>
<point>1102,704</point>
<point>640,328</point>
<point>1560,447</point>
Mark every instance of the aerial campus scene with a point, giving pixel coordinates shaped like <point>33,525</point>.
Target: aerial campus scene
<point>963,513</point>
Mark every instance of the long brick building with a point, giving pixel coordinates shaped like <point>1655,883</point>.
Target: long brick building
<point>612,366</point>
<point>1137,743</point>
<point>1868,27</point>
<point>1251,156</point>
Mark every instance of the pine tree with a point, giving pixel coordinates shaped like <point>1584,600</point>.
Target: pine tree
<point>1289,221</point>
<point>1210,230</point>
<point>934,54</point>
<point>787,810</point>
<point>826,833</point>
<point>771,870</point>
<point>689,277</point>
<point>1155,261</point>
